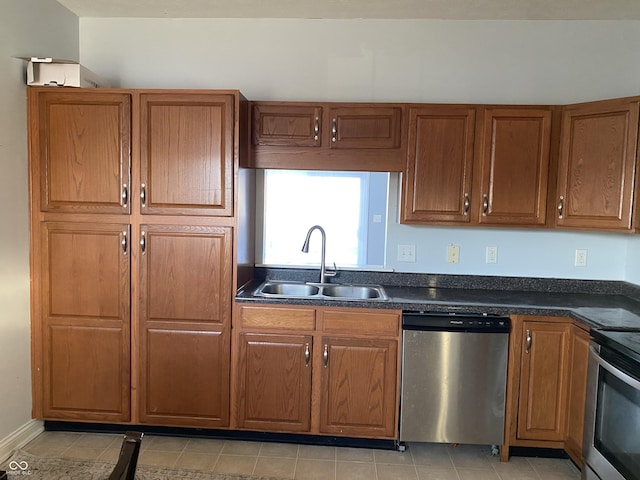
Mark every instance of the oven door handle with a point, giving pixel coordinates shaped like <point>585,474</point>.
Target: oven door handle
<point>629,380</point>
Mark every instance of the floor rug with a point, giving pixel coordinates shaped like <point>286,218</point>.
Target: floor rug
<point>23,465</point>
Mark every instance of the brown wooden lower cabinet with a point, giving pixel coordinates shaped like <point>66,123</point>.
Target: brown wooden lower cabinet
<point>84,329</point>
<point>275,378</point>
<point>325,371</point>
<point>577,393</point>
<point>184,315</point>
<point>546,384</point>
<point>358,394</point>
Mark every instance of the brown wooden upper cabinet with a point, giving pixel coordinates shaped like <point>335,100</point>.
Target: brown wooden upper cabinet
<point>514,166</point>
<point>437,183</point>
<point>327,136</point>
<point>84,147</point>
<point>597,163</point>
<point>477,165</point>
<point>186,150</point>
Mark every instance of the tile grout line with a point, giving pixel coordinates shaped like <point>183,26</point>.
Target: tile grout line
<point>180,454</point>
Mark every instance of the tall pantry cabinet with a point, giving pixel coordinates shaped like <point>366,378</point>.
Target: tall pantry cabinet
<point>137,251</point>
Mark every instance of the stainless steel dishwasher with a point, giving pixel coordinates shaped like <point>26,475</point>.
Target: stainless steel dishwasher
<point>454,375</point>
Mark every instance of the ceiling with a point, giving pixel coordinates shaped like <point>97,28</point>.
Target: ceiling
<point>349,9</point>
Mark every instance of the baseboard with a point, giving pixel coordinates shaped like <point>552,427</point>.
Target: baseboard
<point>20,437</point>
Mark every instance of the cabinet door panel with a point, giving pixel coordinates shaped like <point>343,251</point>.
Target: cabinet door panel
<point>358,396</point>
<point>185,274</point>
<point>185,377</point>
<point>187,154</point>
<point>543,386</point>
<point>84,151</point>
<point>365,127</point>
<point>275,382</point>
<point>597,163</point>
<point>515,166</point>
<point>85,322</point>
<point>437,184</point>
<point>287,125</point>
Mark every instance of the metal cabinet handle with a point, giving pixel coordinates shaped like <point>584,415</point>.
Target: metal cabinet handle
<point>467,204</point>
<point>307,354</point>
<point>123,242</point>
<point>143,195</point>
<point>334,130</point>
<point>143,242</point>
<point>560,206</point>
<point>529,341</point>
<point>125,195</point>
<point>325,356</point>
<point>485,204</point>
<point>316,129</point>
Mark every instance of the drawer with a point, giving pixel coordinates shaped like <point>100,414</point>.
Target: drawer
<point>361,322</point>
<point>289,318</point>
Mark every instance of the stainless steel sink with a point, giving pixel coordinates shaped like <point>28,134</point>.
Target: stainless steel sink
<point>289,289</point>
<point>357,292</point>
<point>283,289</point>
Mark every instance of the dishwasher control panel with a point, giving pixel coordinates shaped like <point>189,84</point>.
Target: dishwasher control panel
<point>455,322</point>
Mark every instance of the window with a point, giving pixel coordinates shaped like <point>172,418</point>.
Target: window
<point>350,206</point>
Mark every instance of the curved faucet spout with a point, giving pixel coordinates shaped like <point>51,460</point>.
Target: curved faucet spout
<point>305,248</point>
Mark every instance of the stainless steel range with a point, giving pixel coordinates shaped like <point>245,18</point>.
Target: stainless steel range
<point>612,418</point>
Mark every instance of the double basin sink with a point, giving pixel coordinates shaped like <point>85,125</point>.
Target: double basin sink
<point>321,291</point>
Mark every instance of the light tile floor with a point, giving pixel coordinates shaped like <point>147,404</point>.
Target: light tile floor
<point>421,461</point>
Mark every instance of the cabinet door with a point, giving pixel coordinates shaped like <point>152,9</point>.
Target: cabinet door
<point>185,307</point>
<point>373,127</point>
<point>515,166</point>
<point>358,394</point>
<point>577,392</point>
<point>286,125</point>
<point>437,185</point>
<point>187,154</point>
<point>275,382</point>
<point>543,383</point>
<point>597,164</point>
<point>85,322</point>
<point>82,150</point>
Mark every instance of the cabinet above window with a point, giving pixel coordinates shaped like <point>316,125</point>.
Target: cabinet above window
<point>327,136</point>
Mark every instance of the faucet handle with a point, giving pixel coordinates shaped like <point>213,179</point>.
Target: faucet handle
<point>333,273</point>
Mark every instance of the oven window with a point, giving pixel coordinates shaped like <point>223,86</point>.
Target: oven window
<point>618,425</point>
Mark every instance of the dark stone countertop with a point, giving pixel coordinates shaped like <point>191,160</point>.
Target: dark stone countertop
<point>605,307</point>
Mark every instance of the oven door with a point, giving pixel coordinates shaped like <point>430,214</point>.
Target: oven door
<point>612,416</point>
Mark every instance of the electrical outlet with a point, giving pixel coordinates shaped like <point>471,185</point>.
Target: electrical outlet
<point>453,253</point>
<point>406,253</point>
<point>491,255</point>
<point>581,257</point>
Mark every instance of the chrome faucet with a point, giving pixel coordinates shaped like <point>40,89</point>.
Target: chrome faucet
<point>305,248</point>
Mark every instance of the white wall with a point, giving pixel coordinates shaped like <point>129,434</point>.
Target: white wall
<point>399,60</point>
<point>633,261</point>
<point>27,27</point>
